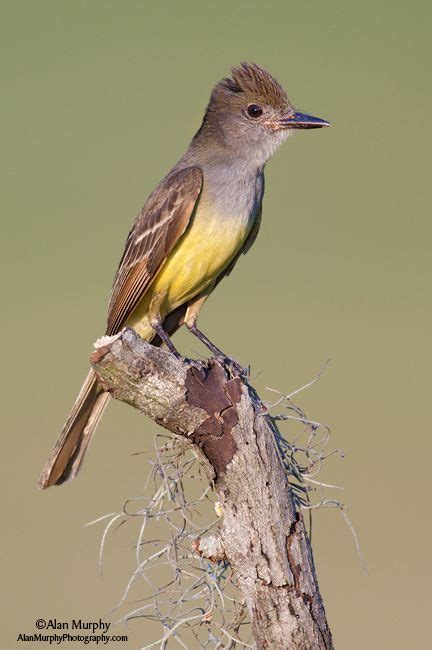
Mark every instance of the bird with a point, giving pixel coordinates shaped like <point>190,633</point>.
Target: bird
<point>194,226</point>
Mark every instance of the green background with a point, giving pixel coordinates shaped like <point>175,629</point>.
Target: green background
<point>99,99</point>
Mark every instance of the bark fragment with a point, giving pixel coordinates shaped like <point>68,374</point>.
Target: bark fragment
<point>212,391</point>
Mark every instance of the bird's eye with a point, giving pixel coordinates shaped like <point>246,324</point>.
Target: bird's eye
<point>254,110</point>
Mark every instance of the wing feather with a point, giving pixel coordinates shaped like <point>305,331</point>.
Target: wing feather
<point>157,228</point>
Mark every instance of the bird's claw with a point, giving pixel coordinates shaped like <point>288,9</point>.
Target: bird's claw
<point>198,364</point>
<point>233,366</point>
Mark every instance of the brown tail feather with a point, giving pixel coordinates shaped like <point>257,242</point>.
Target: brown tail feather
<point>66,457</point>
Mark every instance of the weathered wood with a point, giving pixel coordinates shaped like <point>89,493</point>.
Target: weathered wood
<point>262,534</point>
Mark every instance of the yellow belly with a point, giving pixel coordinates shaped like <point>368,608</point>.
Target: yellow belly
<point>204,251</point>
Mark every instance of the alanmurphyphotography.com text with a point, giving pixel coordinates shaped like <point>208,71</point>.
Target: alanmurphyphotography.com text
<point>91,632</point>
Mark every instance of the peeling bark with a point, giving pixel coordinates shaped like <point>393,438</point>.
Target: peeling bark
<point>262,534</point>
<point>210,547</point>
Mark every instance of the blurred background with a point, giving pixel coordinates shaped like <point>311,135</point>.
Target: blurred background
<point>99,99</point>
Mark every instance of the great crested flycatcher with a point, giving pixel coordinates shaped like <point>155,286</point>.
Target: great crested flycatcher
<point>189,235</point>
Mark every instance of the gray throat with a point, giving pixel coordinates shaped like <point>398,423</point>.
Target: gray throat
<point>234,183</point>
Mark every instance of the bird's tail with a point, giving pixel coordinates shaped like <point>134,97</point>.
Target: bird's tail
<point>66,457</point>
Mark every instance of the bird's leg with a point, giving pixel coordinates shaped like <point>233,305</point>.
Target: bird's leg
<point>190,320</point>
<point>155,320</point>
<point>203,338</point>
<point>157,326</point>
<point>231,363</point>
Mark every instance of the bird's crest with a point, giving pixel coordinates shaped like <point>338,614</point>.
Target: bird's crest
<point>257,83</point>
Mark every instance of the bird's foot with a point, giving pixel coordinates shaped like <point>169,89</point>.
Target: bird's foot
<point>234,367</point>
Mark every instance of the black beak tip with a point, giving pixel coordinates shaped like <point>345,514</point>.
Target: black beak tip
<point>305,121</point>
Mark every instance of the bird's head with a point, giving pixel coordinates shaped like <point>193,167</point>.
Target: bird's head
<point>249,114</point>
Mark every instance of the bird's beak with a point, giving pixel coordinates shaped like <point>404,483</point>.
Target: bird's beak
<point>302,121</point>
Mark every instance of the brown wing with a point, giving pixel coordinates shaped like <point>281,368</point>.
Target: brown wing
<point>162,221</point>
